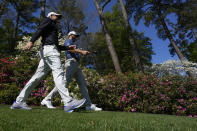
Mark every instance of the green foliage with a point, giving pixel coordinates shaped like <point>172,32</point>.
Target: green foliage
<point>6,35</point>
<point>187,13</point>
<point>148,10</point>
<point>12,77</point>
<point>186,29</point>
<point>16,21</point>
<point>134,92</point>
<point>192,52</point>
<point>183,29</point>
<point>15,73</point>
<point>187,47</point>
<point>25,9</point>
<point>131,92</point>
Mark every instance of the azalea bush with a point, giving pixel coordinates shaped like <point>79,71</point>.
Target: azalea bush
<point>7,82</point>
<point>130,92</point>
<point>135,92</point>
<point>16,71</point>
<point>171,95</point>
<point>14,74</point>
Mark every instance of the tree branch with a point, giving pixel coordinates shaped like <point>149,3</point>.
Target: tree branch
<point>105,4</point>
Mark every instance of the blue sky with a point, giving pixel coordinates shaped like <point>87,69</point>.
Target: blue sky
<point>160,47</point>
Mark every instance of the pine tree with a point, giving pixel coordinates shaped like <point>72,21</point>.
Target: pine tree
<point>131,39</point>
<point>186,28</point>
<point>107,35</point>
<point>155,12</point>
<point>24,20</point>
<point>24,17</point>
<point>3,6</point>
<point>187,22</point>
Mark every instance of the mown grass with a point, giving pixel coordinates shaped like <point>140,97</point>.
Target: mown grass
<point>42,119</point>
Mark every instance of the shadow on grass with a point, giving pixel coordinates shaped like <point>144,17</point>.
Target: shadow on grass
<point>79,110</point>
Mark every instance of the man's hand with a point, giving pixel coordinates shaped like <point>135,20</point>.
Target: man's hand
<point>28,46</point>
<point>85,52</point>
<point>72,47</point>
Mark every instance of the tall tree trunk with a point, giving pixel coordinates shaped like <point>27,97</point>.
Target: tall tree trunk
<point>15,33</point>
<point>3,7</point>
<point>172,41</point>
<point>43,8</point>
<point>169,35</point>
<point>132,42</point>
<point>108,38</point>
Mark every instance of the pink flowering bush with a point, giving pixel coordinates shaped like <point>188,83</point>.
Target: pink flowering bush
<point>14,74</point>
<point>130,92</point>
<point>135,92</point>
<point>6,81</point>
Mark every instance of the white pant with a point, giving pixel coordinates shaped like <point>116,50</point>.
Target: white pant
<point>50,60</point>
<point>73,70</point>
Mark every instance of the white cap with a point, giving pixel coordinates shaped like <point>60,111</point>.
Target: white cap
<point>53,13</point>
<point>73,33</point>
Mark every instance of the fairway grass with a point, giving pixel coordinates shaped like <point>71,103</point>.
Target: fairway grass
<point>42,119</point>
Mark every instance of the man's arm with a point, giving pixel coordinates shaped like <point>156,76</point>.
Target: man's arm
<point>38,33</point>
<point>46,22</point>
<point>67,46</point>
<point>83,52</point>
<point>75,50</point>
<point>62,48</point>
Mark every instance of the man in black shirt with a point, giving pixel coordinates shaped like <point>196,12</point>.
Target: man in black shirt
<point>50,60</point>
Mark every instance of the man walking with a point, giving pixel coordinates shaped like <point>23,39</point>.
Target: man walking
<point>50,60</point>
<point>73,70</point>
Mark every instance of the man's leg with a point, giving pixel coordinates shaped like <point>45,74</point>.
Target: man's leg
<point>54,63</point>
<point>83,86</point>
<point>41,72</point>
<point>70,70</point>
<point>47,100</point>
<point>70,104</point>
<point>50,96</point>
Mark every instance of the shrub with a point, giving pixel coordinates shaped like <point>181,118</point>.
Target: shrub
<point>130,92</point>
<point>135,92</point>
<point>15,73</point>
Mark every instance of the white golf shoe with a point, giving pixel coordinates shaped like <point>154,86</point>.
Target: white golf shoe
<point>73,104</point>
<point>93,108</point>
<point>47,103</point>
<point>20,105</point>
